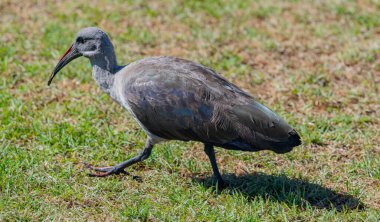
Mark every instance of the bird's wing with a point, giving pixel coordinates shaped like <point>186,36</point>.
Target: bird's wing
<point>182,100</point>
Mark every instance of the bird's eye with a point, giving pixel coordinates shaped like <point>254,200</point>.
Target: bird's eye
<point>80,40</point>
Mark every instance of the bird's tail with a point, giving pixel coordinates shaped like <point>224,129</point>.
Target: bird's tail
<point>266,129</point>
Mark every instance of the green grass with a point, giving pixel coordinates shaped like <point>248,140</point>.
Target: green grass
<point>315,63</point>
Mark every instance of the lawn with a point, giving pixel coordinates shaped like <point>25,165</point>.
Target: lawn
<point>316,63</point>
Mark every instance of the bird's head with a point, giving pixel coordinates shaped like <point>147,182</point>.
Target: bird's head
<point>90,42</point>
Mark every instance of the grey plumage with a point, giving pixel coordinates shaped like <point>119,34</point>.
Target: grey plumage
<point>176,99</point>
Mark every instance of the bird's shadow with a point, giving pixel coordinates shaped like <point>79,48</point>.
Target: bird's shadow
<point>280,188</point>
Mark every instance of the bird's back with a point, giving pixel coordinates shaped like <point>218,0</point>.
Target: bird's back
<point>182,100</point>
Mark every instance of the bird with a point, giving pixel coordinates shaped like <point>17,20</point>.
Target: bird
<point>177,99</point>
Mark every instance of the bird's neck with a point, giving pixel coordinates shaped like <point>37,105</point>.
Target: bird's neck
<point>104,68</point>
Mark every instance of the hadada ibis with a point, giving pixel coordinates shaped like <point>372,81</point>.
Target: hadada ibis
<point>177,99</point>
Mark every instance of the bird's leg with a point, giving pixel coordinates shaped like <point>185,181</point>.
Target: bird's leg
<point>209,150</point>
<point>119,168</point>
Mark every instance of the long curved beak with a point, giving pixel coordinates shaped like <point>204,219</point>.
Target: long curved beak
<point>71,54</point>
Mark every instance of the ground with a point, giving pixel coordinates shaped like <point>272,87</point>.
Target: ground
<point>316,63</point>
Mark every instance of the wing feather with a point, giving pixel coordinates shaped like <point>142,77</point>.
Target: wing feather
<point>182,100</point>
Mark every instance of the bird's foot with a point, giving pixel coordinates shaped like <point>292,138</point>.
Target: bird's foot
<point>104,171</point>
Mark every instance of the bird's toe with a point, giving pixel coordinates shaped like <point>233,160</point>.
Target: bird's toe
<point>104,171</point>
<point>107,173</point>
